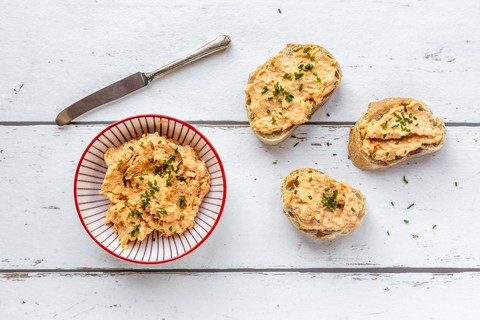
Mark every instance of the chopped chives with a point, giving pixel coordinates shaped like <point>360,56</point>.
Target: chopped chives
<point>296,144</point>
<point>434,226</point>
<point>405,180</point>
<point>353,209</point>
<point>406,221</point>
<point>141,144</point>
<point>392,204</point>
<point>131,148</point>
<point>328,114</point>
<point>310,179</point>
<point>280,12</point>
<point>310,197</point>
<point>411,206</point>
<point>274,162</point>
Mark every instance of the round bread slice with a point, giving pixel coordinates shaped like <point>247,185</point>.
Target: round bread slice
<point>290,184</point>
<point>376,110</point>
<point>291,49</point>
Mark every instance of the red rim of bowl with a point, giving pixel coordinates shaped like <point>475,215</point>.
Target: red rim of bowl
<point>162,117</point>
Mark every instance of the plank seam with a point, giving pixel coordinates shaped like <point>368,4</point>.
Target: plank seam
<point>219,123</point>
<point>386,270</point>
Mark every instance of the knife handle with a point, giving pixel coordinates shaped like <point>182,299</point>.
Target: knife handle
<point>220,43</point>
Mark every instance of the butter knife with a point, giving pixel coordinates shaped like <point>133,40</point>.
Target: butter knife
<point>136,81</point>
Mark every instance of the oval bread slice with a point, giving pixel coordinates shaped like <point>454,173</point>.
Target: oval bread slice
<point>290,184</point>
<point>376,110</point>
<point>291,49</point>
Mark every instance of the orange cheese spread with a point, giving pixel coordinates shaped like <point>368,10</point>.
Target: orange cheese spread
<point>284,94</point>
<point>154,183</point>
<point>403,129</point>
<point>321,203</point>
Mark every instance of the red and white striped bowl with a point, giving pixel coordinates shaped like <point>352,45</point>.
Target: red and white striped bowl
<point>91,206</point>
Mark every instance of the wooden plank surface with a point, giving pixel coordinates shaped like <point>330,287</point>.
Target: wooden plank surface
<point>38,165</point>
<point>255,264</point>
<point>240,296</point>
<point>57,52</point>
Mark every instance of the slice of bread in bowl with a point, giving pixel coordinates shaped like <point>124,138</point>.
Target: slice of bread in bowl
<point>286,90</point>
<point>394,130</point>
<point>320,206</point>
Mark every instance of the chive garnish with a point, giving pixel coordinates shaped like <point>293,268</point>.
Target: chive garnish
<point>182,202</point>
<point>270,98</point>
<point>289,98</point>
<point>384,136</point>
<point>293,136</point>
<point>159,141</point>
<point>348,156</point>
<point>301,87</point>
<point>405,180</point>
<point>319,80</point>
<point>140,178</point>
<point>328,144</point>
<point>387,154</point>
<point>327,189</point>
<point>309,111</point>
<point>312,58</point>
<point>280,100</point>
<point>392,204</point>
<point>310,197</point>
<point>334,154</point>
<point>296,144</point>
<point>374,156</point>
<point>298,75</point>
<point>131,148</point>
<point>169,182</point>
<point>295,192</point>
<point>119,165</point>
<point>405,108</point>
<point>137,185</point>
<point>456,184</point>
<point>406,221</point>
<point>310,171</point>
<point>268,111</point>
<point>274,162</point>
<point>411,206</point>
<point>388,233</point>
<point>273,120</point>
<point>405,151</point>
<point>310,179</point>
<point>141,144</point>
<point>353,209</point>
<point>287,76</point>
<point>305,50</point>
<point>265,89</point>
<point>135,231</point>
<point>434,226</point>
<point>397,142</point>
<point>171,226</point>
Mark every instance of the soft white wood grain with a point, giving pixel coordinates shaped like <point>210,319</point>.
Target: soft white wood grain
<point>240,296</point>
<point>41,228</point>
<point>55,52</point>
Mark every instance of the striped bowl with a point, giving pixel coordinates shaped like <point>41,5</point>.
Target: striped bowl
<point>91,206</point>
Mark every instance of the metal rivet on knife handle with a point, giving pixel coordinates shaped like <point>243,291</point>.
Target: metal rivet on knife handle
<point>136,81</point>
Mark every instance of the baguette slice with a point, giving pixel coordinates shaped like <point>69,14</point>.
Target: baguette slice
<point>288,186</point>
<point>375,111</point>
<point>280,135</point>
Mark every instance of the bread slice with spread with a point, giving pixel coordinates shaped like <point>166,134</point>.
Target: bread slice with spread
<point>287,90</point>
<point>320,206</point>
<point>394,130</point>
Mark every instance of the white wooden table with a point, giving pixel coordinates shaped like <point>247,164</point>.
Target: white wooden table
<point>255,265</point>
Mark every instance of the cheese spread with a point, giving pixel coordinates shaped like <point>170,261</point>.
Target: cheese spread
<point>154,183</point>
<point>321,203</point>
<point>400,131</point>
<point>284,94</point>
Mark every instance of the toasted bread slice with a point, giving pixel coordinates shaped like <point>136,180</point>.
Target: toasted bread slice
<point>290,51</point>
<point>416,141</point>
<point>329,218</point>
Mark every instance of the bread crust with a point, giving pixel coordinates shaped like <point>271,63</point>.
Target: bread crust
<point>280,135</point>
<point>317,233</point>
<point>375,111</point>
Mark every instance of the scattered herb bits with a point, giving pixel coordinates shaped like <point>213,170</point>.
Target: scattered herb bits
<point>274,162</point>
<point>406,221</point>
<point>410,206</point>
<point>434,226</point>
<point>405,180</point>
<point>392,204</point>
<point>279,10</point>
<point>296,144</point>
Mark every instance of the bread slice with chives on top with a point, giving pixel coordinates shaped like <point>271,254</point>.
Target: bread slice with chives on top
<point>394,130</point>
<point>320,206</point>
<point>286,90</point>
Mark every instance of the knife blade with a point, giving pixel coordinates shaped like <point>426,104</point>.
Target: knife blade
<point>136,81</point>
